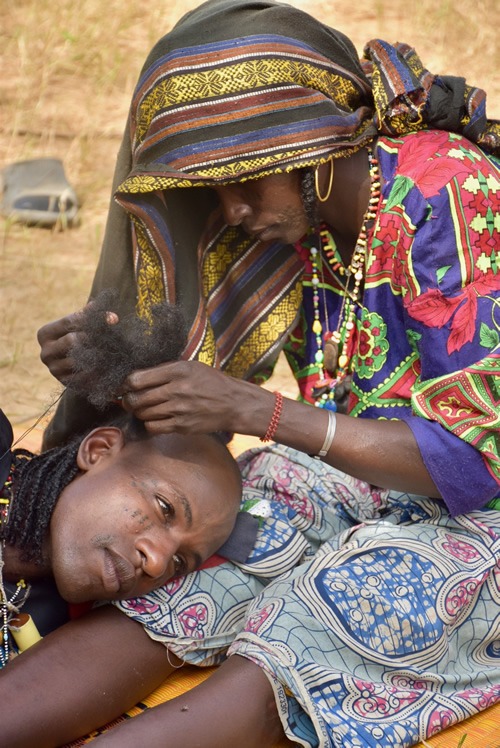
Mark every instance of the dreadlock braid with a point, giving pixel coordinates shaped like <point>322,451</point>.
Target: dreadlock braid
<point>308,195</point>
<point>38,482</point>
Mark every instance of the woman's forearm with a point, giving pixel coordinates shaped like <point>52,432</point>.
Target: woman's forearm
<point>383,453</point>
<point>189,397</point>
<point>234,707</point>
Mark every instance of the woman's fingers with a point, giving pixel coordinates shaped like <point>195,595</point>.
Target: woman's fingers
<point>185,396</point>
<point>56,340</point>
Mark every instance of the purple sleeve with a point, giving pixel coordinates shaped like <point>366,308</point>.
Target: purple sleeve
<point>463,468</point>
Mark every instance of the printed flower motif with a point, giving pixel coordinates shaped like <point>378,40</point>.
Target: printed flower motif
<point>434,309</point>
<point>300,504</point>
<point>461,595</point>
<point>287,474</point>
<point>481,698</point>
<point>458,548</point>
<point>255,622</point>
<point>193,620</point>
<point>383,246</point>
<point>141,605</point>
<point>372,344</point>
<point>405,682</point>
<point>429,163</point>
<point>377,700</point>
<point>439,719</point>
<point>173,586</point>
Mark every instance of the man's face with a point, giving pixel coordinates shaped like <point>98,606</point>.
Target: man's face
<point>140,514</point>
<point>269,208</point>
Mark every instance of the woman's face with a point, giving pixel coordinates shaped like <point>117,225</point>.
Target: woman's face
<point>140,513</point>
<point>269,208</point>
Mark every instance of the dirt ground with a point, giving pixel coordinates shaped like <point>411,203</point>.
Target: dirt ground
<point>68,75</point>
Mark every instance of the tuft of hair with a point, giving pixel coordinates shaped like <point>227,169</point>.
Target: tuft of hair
<point>107,353</point>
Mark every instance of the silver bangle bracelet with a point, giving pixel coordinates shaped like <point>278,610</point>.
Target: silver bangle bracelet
<point>330,434</point>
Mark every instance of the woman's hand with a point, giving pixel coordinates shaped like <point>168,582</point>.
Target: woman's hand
<point>191,397</point>
<point>56,339</point>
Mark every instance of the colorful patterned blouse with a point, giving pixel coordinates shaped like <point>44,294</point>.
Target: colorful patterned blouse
<point>427,345</point>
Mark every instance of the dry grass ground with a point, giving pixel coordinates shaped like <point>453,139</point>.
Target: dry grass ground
<point>68,71</point>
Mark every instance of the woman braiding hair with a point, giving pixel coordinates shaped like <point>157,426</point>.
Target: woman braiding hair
<point>288,95</point>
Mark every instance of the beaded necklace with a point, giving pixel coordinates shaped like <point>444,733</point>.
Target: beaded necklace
<point>8,607</point>
<point>334,349</point>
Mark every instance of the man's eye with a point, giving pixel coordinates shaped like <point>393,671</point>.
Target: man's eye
<point>166,507</point>
<point>180,566</point>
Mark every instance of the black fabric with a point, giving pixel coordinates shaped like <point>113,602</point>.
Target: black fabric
<point>44,604</point>
<point>241,542</point>
<point>6,438</point>
<point>447,102</point>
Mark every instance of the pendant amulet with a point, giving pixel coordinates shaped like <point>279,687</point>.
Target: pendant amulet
<point>331,351</point>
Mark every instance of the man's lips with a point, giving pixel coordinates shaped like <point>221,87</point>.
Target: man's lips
<point>119,573</point>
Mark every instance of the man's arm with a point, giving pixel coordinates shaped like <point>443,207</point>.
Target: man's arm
<point>234,707</point>
<point>77,678</point>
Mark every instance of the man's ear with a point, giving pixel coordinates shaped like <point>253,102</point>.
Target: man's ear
<point>99,444</point>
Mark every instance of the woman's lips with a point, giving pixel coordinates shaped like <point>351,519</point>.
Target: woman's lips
<point>262,234</point>
<point>119,573</point>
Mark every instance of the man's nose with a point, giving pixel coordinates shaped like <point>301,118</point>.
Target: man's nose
<point>234,207</point>
<point>157,556</point>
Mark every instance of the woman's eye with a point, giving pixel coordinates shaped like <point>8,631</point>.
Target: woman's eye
<point>166,507</point>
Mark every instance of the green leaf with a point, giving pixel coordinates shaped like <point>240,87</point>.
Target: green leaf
<point>401,187</point>
<point>413,338</point>
<point>488,337</point>
<point>441,272</point>
<point>462,741</point>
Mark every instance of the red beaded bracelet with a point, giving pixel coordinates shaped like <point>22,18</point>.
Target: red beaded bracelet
<point>273,423</point>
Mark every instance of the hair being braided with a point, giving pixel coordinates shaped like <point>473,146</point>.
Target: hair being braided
<point>105,355</point>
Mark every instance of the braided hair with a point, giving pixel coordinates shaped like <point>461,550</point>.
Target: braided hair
<point>308,196</point>
<point>38,481</point>
<point>104,355</point>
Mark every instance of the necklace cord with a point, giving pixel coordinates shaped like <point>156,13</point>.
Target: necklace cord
<point>33,425</point>
<point>333,357</point>
<point>9,608</point>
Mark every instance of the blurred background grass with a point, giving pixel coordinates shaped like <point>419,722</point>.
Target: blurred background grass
<point>68,72</point>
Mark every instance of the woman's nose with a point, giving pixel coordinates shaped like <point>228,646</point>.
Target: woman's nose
<point>157,557</point>
<point>234,208</point>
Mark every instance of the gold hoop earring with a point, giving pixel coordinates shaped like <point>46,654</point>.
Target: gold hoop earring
<point>324,198</point>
